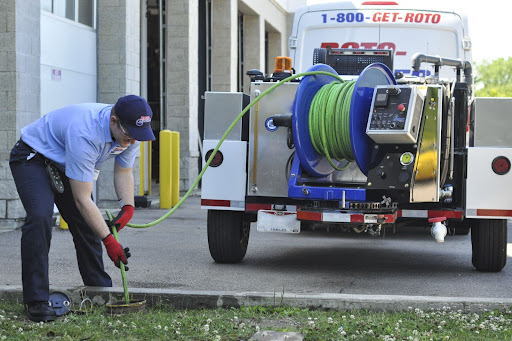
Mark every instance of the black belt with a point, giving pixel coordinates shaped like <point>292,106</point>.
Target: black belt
<point>51,171</point>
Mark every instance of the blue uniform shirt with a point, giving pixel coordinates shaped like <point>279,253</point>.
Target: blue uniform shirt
<point>77,138</point>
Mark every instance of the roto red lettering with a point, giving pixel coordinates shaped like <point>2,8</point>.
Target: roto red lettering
<point>350,45</point>
<point>366,45</point>
<point>423,17</point>
<point>387,46</point>
<point>331,45</point>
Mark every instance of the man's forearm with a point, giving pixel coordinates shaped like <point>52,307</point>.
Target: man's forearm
<point>93,217</point>
<point>124,185</point>
<point>90,212</point>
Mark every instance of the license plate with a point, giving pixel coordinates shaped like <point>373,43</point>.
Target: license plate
<point>277,221</point>
<point>371,218</point>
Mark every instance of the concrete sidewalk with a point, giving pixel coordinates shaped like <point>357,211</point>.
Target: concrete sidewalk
<point>159,275</point>
<point>181,299</point>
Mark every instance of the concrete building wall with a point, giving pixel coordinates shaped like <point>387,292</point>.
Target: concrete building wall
<point>263,20</point>
<point>181,83</point>
<point>224,43</point>
<point>19,90</point>
<point>275,49</point>
<point>118,31</point>
<point>254,46</point>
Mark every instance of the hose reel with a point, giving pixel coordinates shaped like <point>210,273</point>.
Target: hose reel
<point>360,144</point>
<point>312,167</point>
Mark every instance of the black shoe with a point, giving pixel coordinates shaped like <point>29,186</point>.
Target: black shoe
<point>40,311</point>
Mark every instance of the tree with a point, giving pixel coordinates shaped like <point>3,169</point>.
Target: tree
<point>494,79</point>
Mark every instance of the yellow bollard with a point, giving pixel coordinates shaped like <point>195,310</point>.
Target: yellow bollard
<point>150,167</point>
<point>145,168</point>
<point>63,225</point>
<point>142,169</point>
<point>175,167</point>
<point>165,169</point>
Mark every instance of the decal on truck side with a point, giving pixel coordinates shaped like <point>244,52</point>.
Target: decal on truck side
<point>365,45</point>
<point>349,17</point>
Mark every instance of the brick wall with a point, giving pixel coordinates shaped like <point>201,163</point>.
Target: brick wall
<point>19,90</point>
<point>118,73</point>
<point>181,83</point>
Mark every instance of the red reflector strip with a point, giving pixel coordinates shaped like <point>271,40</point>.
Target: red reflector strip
<point>308,215</point>
<point>357,218</point>
<point>257,207</point>
<point>213,202</point>
<point>446,214</point>
<point>388,218</point>
<point>494,213</point>
<point>429,214</point>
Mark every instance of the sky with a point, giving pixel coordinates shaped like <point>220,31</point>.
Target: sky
<point>489,26</point>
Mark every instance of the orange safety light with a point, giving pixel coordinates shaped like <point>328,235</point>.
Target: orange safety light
<point>283,64</point>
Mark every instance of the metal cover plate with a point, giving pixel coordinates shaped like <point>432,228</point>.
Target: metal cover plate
<point>60,302</point>
<point>278,221</point>
<point>487,190</point>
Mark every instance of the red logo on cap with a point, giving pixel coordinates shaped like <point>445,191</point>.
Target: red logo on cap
<point>142,120</point>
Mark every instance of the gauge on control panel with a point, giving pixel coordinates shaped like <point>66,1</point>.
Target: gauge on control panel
<point>406,158</point>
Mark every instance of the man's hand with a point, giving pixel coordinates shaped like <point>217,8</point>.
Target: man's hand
<point>115,251</point>
<point>122,218</point>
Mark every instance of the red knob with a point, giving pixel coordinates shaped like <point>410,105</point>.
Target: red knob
<point>436,219</point>
<point>401,107</point>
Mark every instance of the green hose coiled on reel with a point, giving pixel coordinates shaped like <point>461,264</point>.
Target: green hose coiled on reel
<point>329,117</point>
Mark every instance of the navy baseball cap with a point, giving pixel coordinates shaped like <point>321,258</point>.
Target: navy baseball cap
<point>135,113</point>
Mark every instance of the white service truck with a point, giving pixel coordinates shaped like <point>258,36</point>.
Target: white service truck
<point>401,140</point>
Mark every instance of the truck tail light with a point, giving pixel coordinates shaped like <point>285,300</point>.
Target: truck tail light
<point>217,160</point>
<point>501,165</point>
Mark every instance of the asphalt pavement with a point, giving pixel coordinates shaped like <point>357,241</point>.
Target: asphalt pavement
<point>171,264</point>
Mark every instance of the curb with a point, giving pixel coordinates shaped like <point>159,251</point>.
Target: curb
<point>217,299</point>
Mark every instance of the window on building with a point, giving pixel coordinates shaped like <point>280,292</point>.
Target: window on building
<point>64,8</point>
<point>86,12</point>
<point>81,11</point>
<point>47,5</point>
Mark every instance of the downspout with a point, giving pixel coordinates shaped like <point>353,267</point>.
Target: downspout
<point>163,117</point>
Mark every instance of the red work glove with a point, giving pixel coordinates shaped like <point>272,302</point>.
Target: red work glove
<point>122,218</point>
<point>115,251</point>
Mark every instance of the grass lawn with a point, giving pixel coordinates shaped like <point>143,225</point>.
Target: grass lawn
<point>164,323</point>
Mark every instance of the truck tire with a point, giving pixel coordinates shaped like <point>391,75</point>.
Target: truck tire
<point>489,244</point>
<point>228,235</point>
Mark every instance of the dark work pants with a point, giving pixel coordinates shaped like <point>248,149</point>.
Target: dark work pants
<point>38,198</point>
